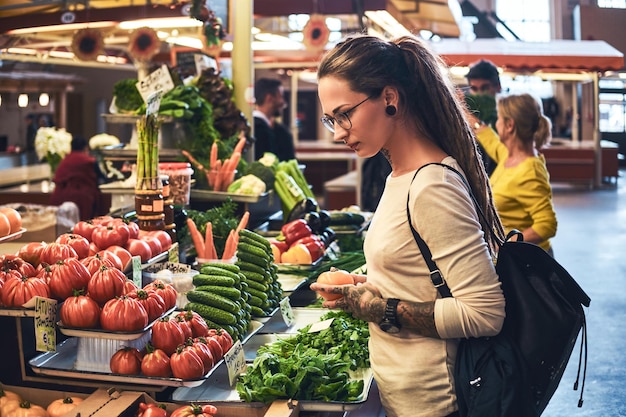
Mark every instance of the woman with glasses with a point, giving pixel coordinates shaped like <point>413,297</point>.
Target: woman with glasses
<point>395,97</point>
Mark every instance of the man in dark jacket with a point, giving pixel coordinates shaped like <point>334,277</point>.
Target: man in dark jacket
<point>271,136</point>
<point>77,179</point>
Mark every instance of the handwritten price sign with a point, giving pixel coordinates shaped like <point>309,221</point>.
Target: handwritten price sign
<point>45,326</point>
<point>158,80</point>
<point>235,362</point>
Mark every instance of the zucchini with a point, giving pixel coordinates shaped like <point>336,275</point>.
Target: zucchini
<point>214,300</point>
<point>255,236</point>
<point>215,314</point>
<point>213,270</point>
<point>229,267</point>
<point>203,279</point>
<point>231,293</point>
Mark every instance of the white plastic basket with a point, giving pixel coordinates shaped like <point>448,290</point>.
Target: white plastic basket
<point>94,353</point>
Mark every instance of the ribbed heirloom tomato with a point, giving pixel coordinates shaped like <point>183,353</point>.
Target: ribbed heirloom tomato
<point>114,234</point>
<point>186,364</point>
<point>151,301</point>
<point>54,252</point>
<point>94,262</point>
<point>198,325</point>
<point>156,363</point>
<point>123,314</point>
<point>18,291</point>
<point>206,410</point>
<point>165,290</point>
<point>79,243</point>
<point>31,252</point>
<point>106,284</point>
<point>80,311</point>
<point>67,276</point>
<point>167,335</point>
<point>126,361</point>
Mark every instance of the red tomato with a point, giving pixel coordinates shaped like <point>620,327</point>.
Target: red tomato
<point>106,284</point>
<point>123,254</point>
<point>14,262</point>
<point>114,234</point>
<point>204,353</point>
<point>111,257</point>
<point>79,243</point>
<point>126,361</point>
<point>206,410</point>
<point>94,262</point>
<point>138,247</point>
<point>129,287</point>
<point>11,273</point>
<point>18,291</point>
<point>54,252</point>
<point>151,301</point>
<point>167,335</point>
<point>222,336</point>
<point>186,364</point>
<point>151,410</point>
<point>80,311</point>
<point>214,346</point>
<point>185,327</point>
<point>165,290</point>
<point>123,314</point>
<point>67,276</point>
<point>164,238</point>
<point>154,243</point>
<point>133,229</point>
<point>84,228</point>
<point>198,325</point>
<point>44,271</point>
<point>31,252</point>
<point>156,363</point>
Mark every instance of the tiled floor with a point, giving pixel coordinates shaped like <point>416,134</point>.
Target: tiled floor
<point>591,244</point>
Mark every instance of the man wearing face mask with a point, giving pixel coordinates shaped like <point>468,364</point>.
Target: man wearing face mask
<point>483,84</point>
<point>271,136</point>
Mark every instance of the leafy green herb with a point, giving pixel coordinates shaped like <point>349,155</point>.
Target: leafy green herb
<point>222,217</point>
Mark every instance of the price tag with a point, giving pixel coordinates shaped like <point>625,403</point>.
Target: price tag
<point>204,62</point>
<point>320,325</point>
<point>172,254</point>
<point>158,80</point>
<point>235,362</point>
<point>136,262</point>
<point>154,102</point>
<point>45,325</point>
<point>286,311</point>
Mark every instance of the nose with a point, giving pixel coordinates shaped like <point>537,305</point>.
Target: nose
<point>340,134</point>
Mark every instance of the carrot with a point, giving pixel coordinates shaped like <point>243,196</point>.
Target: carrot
<point>196,237</point>
<point>209,245</point>
<point>213,156</point>
<point>240,144</point>
<point>231,245</point>
<point>215,174</point>
<point>243,222</point>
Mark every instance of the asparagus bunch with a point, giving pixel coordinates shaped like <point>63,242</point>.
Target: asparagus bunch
<point>148,150</point>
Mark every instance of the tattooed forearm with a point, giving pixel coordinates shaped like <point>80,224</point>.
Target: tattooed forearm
<point>419,317</point>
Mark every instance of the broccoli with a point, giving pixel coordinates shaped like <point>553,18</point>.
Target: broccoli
<point>127,97</point>
<point>265,173</point>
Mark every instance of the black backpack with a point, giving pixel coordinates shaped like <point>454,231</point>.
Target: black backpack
<point>516,372</point>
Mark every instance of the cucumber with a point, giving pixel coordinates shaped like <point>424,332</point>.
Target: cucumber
<point>255,301</point>
<point>229,267</point>
<point>203,279</point>
<point>255,236</point>
<point>213,270</point>
<point>252,242</point>
<point>260,278</point>
<point>231,293</point>
<point>256,293</point>
<point>211,315</point>
<point>250,267</point>
<point>214,300</point>
<point>252,249</point>
<point>259,286</point>
<point>257,312</point>
<point>263,262</point>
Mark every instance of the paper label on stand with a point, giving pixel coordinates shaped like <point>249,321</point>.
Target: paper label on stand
<point>286,311</point>
<point>153,104</point>
<point>136,263</point>
<point>158,80</point>
<point>45,324</point>
<point>172,254</point>
<point>320,325</point>
<point>235,362</point>
<point>204,62</point>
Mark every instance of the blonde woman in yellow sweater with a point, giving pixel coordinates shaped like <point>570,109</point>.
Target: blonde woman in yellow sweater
<point>520,182</point>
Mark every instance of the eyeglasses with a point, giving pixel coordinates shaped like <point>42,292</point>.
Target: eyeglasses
<point>341,119</point>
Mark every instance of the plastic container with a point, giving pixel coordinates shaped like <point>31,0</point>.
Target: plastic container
<point>94,353</point>
<point>179,275</point>
<point>180,180</point>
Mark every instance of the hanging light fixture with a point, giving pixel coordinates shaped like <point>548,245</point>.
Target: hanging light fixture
<point>22,100</point>
<point>44,99</point>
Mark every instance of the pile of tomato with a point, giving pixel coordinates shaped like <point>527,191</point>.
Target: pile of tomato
<point>181,346</point>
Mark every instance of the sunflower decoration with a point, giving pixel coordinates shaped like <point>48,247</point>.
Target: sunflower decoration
<point>213,28</point>
<point>87,44</point>
<point>316,33</point>
<point>143,44</point>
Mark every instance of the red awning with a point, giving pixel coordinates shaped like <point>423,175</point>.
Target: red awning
<point>557,55</point>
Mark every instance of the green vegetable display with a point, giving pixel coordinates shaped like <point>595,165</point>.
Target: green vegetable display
<point>127,97</point>
<point>222,217</point>
<point>310,366</point>
<point>263,172</point>
<point>247,185</point>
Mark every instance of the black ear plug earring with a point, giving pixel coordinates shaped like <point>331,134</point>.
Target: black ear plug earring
<point>391,110</point>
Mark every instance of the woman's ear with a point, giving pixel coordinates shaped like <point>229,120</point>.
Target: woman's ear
<point>391,96</point>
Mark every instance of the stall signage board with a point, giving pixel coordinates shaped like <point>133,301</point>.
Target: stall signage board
<point>158,80</point>
<point>235,362</point>
<point>172,255</point>
<point>45,324</point>
<point>286,311</point>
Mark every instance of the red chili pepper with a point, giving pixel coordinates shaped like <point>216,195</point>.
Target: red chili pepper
<point>295,229</point>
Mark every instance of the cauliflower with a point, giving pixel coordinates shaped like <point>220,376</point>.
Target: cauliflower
<point>248,184</point>
<point>269,160</point>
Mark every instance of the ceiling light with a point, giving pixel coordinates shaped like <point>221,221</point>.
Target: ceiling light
<point>22,100</point>
<point>387,22</point>
<point>187,41</point>
<point>66,27</point>
<point>172,22</point>
<point>44,99</point>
